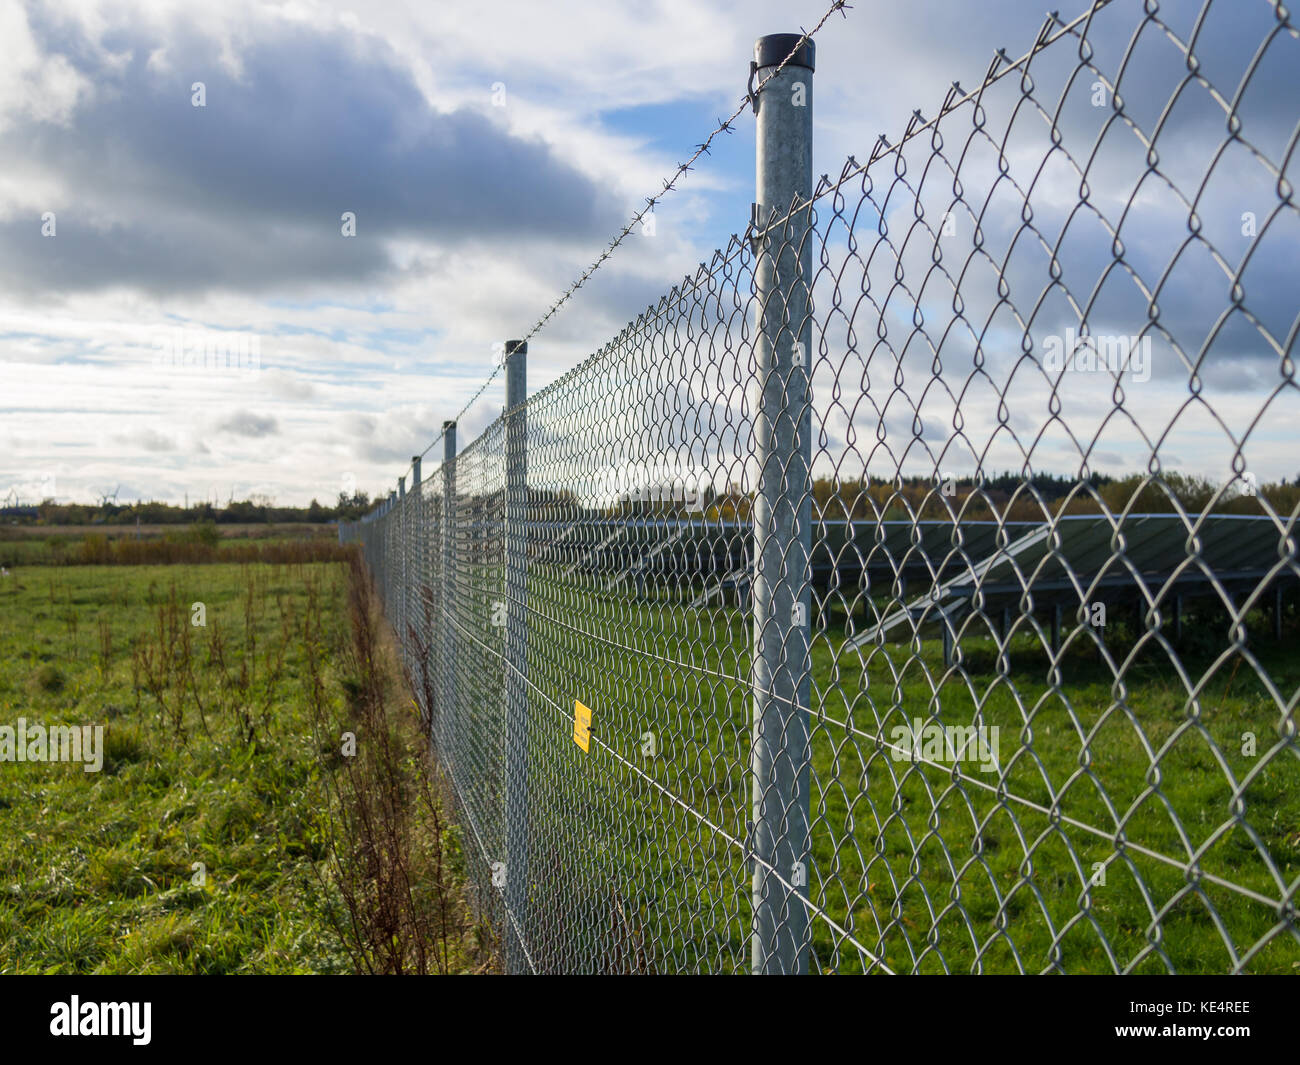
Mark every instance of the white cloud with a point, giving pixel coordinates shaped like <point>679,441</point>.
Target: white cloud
<point>45,88</point>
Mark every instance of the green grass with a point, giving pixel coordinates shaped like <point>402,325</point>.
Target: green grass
<point>920,870</point>
<point>98,870</point>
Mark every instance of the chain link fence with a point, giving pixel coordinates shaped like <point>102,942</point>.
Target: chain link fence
<point>913,588</point>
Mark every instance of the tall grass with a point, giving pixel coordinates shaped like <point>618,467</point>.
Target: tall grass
<point>394,859</point>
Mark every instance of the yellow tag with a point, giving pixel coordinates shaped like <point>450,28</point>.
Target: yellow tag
<point>582,726</point>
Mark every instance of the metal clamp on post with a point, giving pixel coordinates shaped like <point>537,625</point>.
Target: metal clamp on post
<point>757,227</point>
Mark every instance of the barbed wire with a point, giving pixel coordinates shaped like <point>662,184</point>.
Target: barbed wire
<point>1052,30</point>
<point>724,126</point>
<point>669,185</point>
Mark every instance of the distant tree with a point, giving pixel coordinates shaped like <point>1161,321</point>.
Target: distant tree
<point>351,507</point>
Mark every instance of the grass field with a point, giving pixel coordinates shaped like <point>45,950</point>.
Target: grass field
<point>216,837</point>
<point>216,753</point>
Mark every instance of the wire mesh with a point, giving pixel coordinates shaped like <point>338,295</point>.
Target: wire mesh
<point>1049,714</point>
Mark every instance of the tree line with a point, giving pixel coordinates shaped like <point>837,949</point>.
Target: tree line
<point>236,512</point>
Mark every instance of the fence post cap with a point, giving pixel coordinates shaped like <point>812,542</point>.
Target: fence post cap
<point>771,49</point>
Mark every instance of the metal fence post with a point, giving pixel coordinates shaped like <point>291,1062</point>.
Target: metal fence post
<point>516,654</point>
<point>447,711</point>
<point>782,519</point>
<point>403,526</point>
<point>418,548</point>
<point>390,541</point>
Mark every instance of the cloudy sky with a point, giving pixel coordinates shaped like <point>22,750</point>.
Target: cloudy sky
<point>177,172</point>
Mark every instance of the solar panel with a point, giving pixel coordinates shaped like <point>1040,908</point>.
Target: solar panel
<point>1073,561</point>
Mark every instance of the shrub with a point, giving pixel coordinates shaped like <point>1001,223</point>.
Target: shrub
<point>205,532</point>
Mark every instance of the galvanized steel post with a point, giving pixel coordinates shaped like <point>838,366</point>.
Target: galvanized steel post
<point>447,702</point>
<point>516,654</point>
<point>419,549</point>
<point>782,519</point>
<point>403,528</point>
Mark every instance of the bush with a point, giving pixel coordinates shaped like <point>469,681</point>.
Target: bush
<point>206,533</point>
